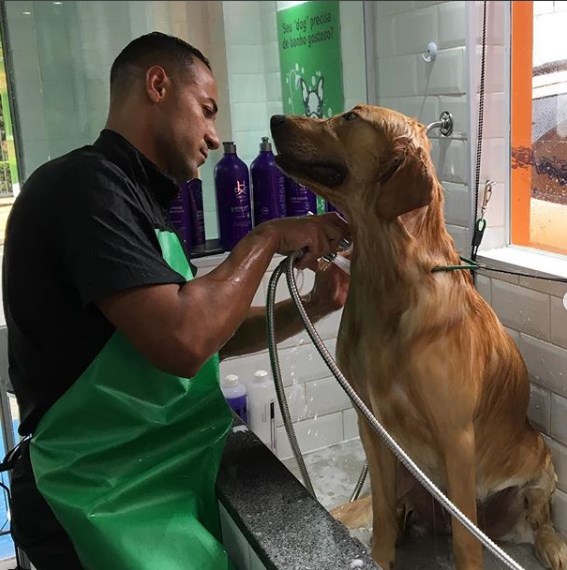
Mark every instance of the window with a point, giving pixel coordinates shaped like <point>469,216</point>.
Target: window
<point>539,125</point>
<point>9,182</point>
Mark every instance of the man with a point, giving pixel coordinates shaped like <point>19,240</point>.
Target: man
<point>113,347</point>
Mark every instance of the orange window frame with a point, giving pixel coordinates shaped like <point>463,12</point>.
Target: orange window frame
<point>521,118</point>
<point>524,210</point>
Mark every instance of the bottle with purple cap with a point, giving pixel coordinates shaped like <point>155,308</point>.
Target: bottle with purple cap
<point>232,187</point>
<point>268,185</point>
<point>299,199</point>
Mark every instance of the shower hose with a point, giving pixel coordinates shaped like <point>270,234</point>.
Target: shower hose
<point>287,266</point>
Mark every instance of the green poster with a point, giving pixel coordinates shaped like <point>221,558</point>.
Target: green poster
<point>310,61</point>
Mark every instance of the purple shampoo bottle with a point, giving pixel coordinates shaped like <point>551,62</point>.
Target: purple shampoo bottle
<point>299,199</point>
<point>178,216</point>
<point>232,186</point>
<point>268,185</point>
<point>195,213</point>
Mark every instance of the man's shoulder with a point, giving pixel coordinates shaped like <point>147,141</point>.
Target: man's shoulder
<point>79,165</point>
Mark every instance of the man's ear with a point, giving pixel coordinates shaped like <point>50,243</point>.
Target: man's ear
<point>157,83</point>
<point>405,182</point>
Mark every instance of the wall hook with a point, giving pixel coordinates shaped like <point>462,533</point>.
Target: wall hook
<point>431,53</point>
<point>444,124</point>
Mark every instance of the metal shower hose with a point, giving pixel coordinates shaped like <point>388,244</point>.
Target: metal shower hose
<point>287,266</point>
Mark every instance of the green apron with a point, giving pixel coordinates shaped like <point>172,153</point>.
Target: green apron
<point>128,458</point>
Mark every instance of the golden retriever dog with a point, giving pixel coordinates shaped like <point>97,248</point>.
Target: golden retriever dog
<point>421,347</point>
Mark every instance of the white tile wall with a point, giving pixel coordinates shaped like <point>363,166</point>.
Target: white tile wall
<point>546,363</point>
<point>414,29</point>
<point>312,434</point>
<point>539,410</point>
<point>460,237</point>
<point>522,309</point>
<point>559,452</point>
<point>350,424</point>
<point>558,322</point>
<point>559,507</point>
<point>392,83</point>
<point>452,24</point>
<point>424,89</point>
<point>433,79</point>
<point>483,286</point>
<point>456,195</point>
<point>558,413</point>
<point>451,160</point>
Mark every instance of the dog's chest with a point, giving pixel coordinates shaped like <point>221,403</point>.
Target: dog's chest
<point>380,378</point>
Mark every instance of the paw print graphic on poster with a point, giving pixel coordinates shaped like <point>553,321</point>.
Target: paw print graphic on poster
<point>312,92</point>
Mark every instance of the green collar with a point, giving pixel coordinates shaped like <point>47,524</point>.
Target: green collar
<point>468,264</point>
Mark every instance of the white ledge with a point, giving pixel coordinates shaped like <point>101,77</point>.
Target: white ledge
<point>526,259</point>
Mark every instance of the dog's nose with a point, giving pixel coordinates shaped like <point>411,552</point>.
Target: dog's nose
<point>276,120</point>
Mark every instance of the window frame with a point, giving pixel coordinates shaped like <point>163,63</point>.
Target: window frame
<point>521,119</point>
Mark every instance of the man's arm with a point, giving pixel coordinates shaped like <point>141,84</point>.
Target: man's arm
<point>328,295</point>
<point>179,327</point>
<point>251,335</point>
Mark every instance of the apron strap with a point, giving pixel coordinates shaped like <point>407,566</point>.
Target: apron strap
<point>7,464</point>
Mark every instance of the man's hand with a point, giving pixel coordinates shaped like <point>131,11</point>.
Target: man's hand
<point>330,290</point>
<point>316,235</point>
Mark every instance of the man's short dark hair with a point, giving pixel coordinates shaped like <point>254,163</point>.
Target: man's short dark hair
<point>154,48</point>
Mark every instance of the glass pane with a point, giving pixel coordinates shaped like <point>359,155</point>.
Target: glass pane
<point>548,205</point>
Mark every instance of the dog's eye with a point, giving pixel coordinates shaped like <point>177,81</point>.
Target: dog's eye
<point>350,116</point>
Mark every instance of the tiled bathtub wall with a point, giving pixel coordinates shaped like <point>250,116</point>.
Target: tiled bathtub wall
<point>403,31</point>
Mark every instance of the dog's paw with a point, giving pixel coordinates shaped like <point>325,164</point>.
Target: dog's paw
<point>551,549</point>
<point>356,514</point>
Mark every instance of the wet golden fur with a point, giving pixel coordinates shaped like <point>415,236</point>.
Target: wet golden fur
<point>423,349</point>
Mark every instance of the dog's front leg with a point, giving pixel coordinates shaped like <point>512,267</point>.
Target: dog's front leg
<point>382,470</point>
<point>460,466</point>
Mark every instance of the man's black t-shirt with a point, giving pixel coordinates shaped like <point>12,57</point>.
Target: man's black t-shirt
<point>82,228</point>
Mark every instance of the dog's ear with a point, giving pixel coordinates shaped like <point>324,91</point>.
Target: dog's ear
<point>304,90</point>
<point>320,88</point>
<point>406,182</point>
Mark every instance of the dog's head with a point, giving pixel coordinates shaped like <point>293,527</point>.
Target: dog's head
<point>370,156</point>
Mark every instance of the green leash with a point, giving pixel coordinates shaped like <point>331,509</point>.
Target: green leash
<point>468,264</point>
